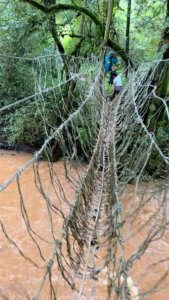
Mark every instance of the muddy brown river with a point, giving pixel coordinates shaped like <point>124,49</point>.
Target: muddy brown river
<point>19,278</point>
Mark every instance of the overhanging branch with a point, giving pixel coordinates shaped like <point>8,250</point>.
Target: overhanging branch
<point>62,7</point>
<point>121,52</point>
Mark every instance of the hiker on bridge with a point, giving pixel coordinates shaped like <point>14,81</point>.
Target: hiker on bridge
<point>116,80</point>
<point>110,62</point>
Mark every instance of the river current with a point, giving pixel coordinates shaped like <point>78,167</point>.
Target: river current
<point>19,278</point>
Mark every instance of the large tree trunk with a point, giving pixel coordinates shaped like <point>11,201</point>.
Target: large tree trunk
<point>128,27</point>
<point>163,68</point>
<point>108,21</point>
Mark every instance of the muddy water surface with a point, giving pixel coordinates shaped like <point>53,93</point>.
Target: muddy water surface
<point>20,277</point>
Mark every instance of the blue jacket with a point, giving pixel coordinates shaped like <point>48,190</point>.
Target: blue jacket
<point>109,62</point>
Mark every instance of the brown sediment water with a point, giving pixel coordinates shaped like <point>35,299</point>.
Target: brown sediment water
<point>19,278</point>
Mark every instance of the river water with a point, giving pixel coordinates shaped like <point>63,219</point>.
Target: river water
<point>19,278</point>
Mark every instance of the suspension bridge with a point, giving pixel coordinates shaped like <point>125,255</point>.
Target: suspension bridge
<point>90,250</point>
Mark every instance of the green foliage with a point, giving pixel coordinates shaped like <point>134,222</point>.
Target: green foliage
<point>162,136</point>
<point>24,126</point>
<point>16,80</point>
<point>25,32</point>
<point>147,24</point>
<point>28,125</point>
<point>156,165</point>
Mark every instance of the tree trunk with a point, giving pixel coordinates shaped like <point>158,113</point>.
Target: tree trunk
<point>108,21</point>
<point>106,38</point>
<point>164,65</point>
<point>128,27</point>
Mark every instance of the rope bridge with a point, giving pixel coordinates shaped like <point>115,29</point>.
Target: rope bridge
<point>90,251</point>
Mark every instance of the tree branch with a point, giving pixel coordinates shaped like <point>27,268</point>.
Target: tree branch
<point>62,7</point>
<point>121,52</point>
<point>35,4</point>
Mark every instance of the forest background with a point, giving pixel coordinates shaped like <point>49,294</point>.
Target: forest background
<point>139,33</point>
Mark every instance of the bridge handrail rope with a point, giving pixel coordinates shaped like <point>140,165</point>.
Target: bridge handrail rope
<point>119,152</point>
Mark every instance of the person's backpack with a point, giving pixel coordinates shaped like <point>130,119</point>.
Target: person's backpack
<point>109,61</point>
